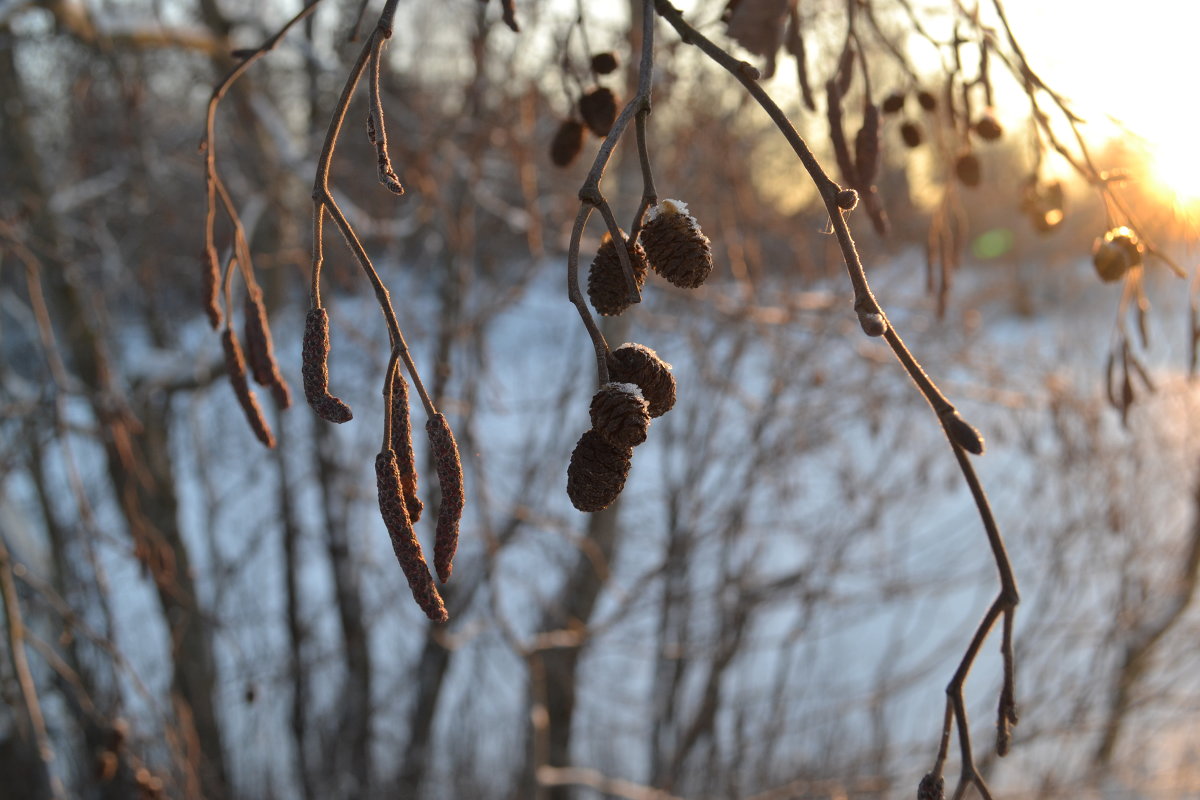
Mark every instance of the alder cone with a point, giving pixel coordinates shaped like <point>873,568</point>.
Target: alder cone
<point>606,285</point>
<point>620,414</point>
<point>567,143</point>
<point>933,787</point>
<point>893,103</point>
<point>968,170</point>
<point>987,127</point>
<point>604,63</point>
<point>675,246</point>
<point>597,472</point>
<point>599,110</point>
<point>641,366</point>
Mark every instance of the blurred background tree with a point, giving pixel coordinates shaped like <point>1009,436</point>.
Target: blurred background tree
<point>775,603</point>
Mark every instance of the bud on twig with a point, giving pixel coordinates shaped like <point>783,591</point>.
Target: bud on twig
<point>963,433</point>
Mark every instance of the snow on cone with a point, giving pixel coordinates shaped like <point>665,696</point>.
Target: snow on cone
<point>606,286</point>
<point>675,246</point>
<point>404,539</point>
<point>450,478</point>
<point>315,369</point>
<point>620,414</point>
<point>641,366</point>
<point>597,472</point>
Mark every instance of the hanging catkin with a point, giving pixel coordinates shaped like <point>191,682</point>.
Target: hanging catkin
<point>404,538</point>
<point>235,365</point>
<point>315,369</point>
<point>260,350</point>
<point>450,479</point>
<point>403,446</point>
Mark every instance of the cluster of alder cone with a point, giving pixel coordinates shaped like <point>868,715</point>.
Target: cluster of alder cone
<point>640,385</point>
<point>595,111</point>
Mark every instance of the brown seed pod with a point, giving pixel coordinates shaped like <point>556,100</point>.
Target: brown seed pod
<point>597,472</point>
<point>1117,253</point>
<point>847,199</point>
<point>599,110</point>
<point>620,414</point>
<point>212,283</point>
<point>404,538</point>
<point>606,285</point>
<point>315,369</point>
<point>568,141</point>
<point>641,366</point>
<point>604,63</point>
<point>927,101</point>
<point>911,133</point>
<point>968,170</point>
<point>260,350</point>
<point>675,246</point>
<point>866,147</point>
<point>235,365</point>
<point>933,787</point>
<point>893,103</point>
<point>450,479</point>
<point>403,447</point>
<point>987,127</point>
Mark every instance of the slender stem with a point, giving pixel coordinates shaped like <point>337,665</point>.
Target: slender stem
<point>576,296</point>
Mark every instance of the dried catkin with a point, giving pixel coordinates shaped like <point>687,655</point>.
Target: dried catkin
<point>567,142</point>
<point>641,366</point>
<point>597,472</point>
<point>620,414</point>
<point>450,479</point>
<point>866,147</point>
<point>675,246</point>
<point>235,365</point>
<point>599,110</point>
<point>212,284</point>
<point>606,285</point>
<point>315,369</point>
<point>841,150</point>
<point>260,350</point>
<point>404,538</point>
<point>402,445</point>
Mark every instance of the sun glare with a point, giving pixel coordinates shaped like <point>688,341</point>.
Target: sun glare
<point>1176,168</point>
